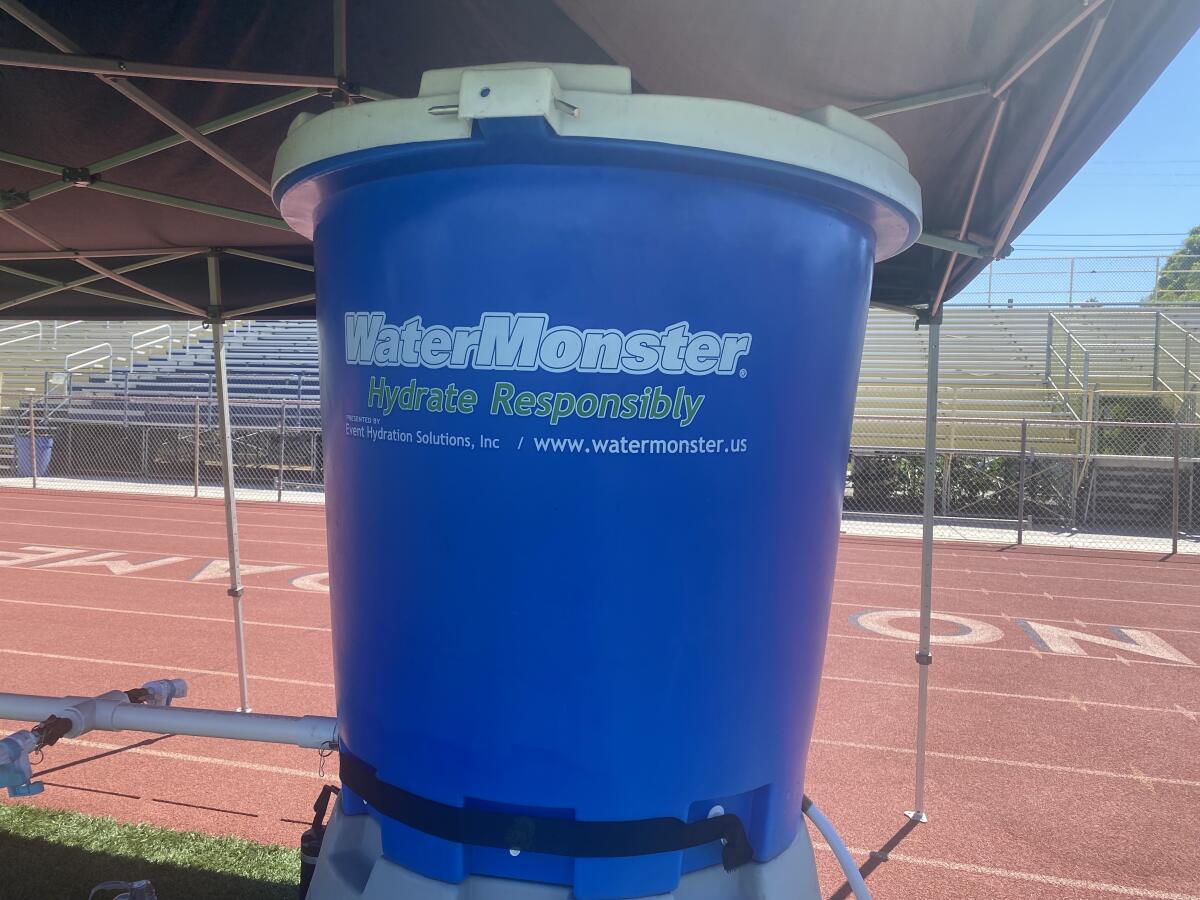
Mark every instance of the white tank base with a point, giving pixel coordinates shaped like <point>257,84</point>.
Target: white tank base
<point>352,867</point>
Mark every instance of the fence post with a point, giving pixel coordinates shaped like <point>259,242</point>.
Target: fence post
<point>126,404</point>
<point>991,265</point>
<point>1157,271</point>
<point>1067,364</point>
<point>1175,491</point>
<point>1021,483</point>
<point>1157,340</point>
<point>33,454</point>
<point>947,468</point>
<point>196,449</point>
<point>1049,346</point>
<point>1187,362</point>
<point>1071,285</point>
<point>1087,374</point>
<point>282,442</point>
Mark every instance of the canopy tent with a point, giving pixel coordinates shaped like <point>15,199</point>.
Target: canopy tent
<point>137,143</point>
<point>136,140</point>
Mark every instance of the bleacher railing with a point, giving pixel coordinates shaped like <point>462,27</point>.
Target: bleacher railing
<point>1176,364</point>
<point>24,331</point>
<point>157,336</point>
<point>1066,372</point>
<point>62,326</point>
<point>98,355</point>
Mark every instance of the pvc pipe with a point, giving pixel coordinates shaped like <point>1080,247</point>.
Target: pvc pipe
<point>106,713</point>
<point>845,860</point>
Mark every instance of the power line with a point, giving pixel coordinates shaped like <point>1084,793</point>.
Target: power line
<point>1104,233</point>
<point>1141,162</point>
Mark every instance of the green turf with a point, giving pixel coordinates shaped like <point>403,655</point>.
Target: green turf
<point>62,855</point>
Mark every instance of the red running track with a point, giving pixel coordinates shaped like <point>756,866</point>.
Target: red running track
<point>1063,754</point>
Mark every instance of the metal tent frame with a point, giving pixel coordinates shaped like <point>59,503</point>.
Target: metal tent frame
<point>115,72</point>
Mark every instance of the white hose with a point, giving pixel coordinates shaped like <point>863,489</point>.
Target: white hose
<point>845,860</point>
<point>112,712</point>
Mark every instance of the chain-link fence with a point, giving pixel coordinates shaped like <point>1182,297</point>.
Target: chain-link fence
<point>1018,466</point>
<point>164,446</point>
<point>1124,477</point>
<point>1085,281</point>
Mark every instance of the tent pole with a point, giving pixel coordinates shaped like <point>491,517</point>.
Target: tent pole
<point>59,285</point>
<point>274,260</point>
<point>1039,159</point>
<point>1064,28</point>
<point>924,656</point>
<point>73,61</point>
<point>27,162</point>
<point>100,270</point>
<point>237,118</point>
<point>965,226</point>
<point>272,304</point>
<point>166,143</point>
<point>20,255</point>
<point>78,282</point>
<point>208,209</point>
<point>340,96</point>
<point>962,248</point>
<point>231,525</point>
<point>135,95</point>
<point>921,101</point>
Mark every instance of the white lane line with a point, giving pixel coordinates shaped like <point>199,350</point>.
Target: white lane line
<point>1005,695</point>
<point>160,667</point>
<point>1178,710</point>
<point>206,760</point>
<point>177,501</point>
<point>1040,654</point>
<point>1010,617</point>
<point>151,553</point>
<point>1014,763</point>
<point>993,573</point>
<point>181,582</point>
<point>981,555</point>
<point>190,537</point>
<point>164,615</point>
<point>1035,877</point>
<point>1010,593</point>
<point>215,524</point>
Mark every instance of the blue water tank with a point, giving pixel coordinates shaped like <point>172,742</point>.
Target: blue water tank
<point>588,369</point>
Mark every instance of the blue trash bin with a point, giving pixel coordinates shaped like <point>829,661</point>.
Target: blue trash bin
<point>588,369</point>
<point>23,452</point>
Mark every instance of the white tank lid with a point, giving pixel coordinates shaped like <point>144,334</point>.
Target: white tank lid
<point>598,102</point>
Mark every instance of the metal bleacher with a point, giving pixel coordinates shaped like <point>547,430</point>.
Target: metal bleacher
<point>1007,364</point>
<point>991,368</point>
<point>998,366</point>
<point>268,363</point>
<point>39,360</point>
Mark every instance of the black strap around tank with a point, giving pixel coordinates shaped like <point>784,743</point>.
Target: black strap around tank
<point>539,834</point>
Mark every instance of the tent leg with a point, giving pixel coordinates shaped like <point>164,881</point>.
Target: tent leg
<point>924,656</point>
<point>231,526</point>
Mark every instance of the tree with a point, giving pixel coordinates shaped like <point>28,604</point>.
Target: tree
<point>1179,278</point>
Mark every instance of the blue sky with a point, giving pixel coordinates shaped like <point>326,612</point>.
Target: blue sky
<point>1142,188</point>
